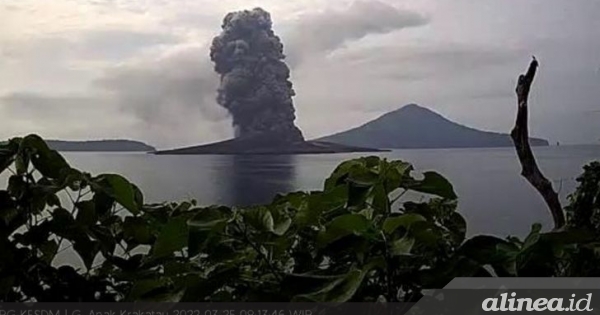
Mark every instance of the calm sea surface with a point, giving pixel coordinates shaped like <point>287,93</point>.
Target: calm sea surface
<point>493,197</point>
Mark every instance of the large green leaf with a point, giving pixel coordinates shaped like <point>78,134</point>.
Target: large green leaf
<point>294,200</point>
<point>403,220</point>
<point>457,225</point>
<point>87,250</point>
<point>340,174</point>
<point>172,237</point>
<point>362,172</point>
<point>210,218</point>
<point>381,201</point>
<point>434,184</point>
<point>339,290</point>
<point>316,204</point>
<point>143,287</point>
<point>457,266</point>
<point>403,168</point>
<point>402,246</point>
<point>427,233</point>
<point>492,251</point>
<point>105,237</point>
<point>488,249</point>
<point>22,164</point>
<point>47,161</point>
<point>86,213</point>
<point>362,177</point>
<point>62,218</point>
<point>137,230</point>
<point>206,226</point>
<point>48,249</point>
<point>37,234</point>
<point>536,254</point>
<point>138,196</point>
<point>533,236</point>
<point>343,226</point>
<point>358,196</point>
<point>130,264</point>
<point>122,191</point>
<point>7,153</point>
<point>103,203</point>
<point>17,186</point>
<point>344,288</point>
<point>281,221</point>
<point>396,172</point>
<point>259,218</point>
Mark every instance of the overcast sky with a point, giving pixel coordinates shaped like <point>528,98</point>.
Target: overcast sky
<point>139,69</point>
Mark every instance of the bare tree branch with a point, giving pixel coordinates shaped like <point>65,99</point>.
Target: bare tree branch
<point>520,137</point>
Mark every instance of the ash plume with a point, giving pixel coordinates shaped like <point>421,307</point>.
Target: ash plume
<point>255,86</point>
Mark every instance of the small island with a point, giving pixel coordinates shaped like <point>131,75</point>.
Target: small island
<point>100,146</point>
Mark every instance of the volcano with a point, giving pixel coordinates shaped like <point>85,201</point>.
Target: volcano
<point>256,90</point>
<point>238,146</point>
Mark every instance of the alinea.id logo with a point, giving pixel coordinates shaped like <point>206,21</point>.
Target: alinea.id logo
<point>513,304</point>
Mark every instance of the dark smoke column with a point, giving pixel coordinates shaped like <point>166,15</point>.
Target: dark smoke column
<point>255,86</point>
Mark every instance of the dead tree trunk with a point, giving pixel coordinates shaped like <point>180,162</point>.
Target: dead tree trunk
<point>520,137</point>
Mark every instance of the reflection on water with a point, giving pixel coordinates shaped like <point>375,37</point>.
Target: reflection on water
<point>253,179</point>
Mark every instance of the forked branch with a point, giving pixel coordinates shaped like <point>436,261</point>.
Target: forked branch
<point>520,137</point>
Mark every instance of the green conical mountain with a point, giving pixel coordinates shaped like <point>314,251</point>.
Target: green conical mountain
<point>413,126</point>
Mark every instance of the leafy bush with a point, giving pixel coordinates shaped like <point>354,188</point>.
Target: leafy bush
<point>362,238</point>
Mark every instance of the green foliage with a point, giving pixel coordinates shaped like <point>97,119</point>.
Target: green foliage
<point>359,239</point>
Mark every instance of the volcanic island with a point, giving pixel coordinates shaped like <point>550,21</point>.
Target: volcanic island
<point>256,90</point>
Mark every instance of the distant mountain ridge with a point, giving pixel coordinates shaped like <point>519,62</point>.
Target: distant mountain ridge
<point>100,146</point>
<point>413,126</point>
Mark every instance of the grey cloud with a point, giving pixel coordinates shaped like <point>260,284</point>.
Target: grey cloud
<point>34,105</point>
<point>102,44</point>
<point>39,50</point>
<point>195,20</point>
<point>173,97</point>
<point>120,44</point>
<point>489,93</point>
<point>328,30</point>
<point>385,77</point>
<point>68,62</point>
<point>10,7</point>
<point>434,61</point>
<point>64,116</point>
<point>165,90</point>
<point>39,65</point>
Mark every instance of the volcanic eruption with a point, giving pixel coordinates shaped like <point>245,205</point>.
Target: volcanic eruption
<point>255,86</point>
<point>256,90</point>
